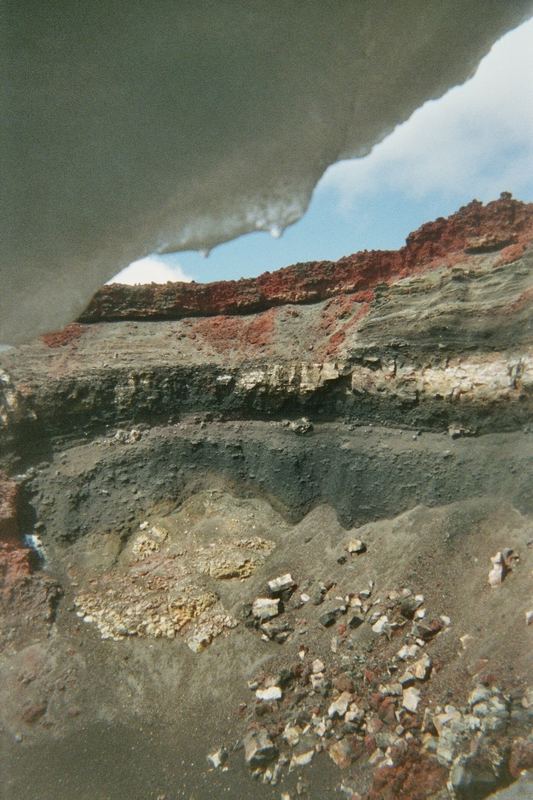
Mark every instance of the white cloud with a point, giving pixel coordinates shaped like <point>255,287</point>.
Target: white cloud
<point>151,269</point>
<point>478,138</point>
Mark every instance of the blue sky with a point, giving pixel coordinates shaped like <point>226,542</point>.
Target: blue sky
<point>476,141</point>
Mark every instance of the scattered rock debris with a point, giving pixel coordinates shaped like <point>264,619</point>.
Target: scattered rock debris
<point>127,437</point>
<point>373,715</point>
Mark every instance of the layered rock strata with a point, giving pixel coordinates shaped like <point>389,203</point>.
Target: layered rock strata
<point>360,427</point>
<point>437,334</point>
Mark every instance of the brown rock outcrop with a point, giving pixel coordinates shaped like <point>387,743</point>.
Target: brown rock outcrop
<point>8,509</point>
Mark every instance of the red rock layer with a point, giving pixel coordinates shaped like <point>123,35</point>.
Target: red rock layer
<point>70,333</point>
<point>15,561</point>
<point>505,225</point>
<point>15,568</point>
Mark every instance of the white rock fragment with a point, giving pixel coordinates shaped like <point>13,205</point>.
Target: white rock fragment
<point>301,759</point>
<point>497,572</point>
<point>382,625</point>
<point>258,748</point>
<point>317,666</point>
<point>422,668</point>
<point>444,719</point>
<point>527,699</point>
<point>320,725</point>
<point>318,682</point>
<point>269,694</point>
<point>199,641</point>
<point>291,734</point>
<point>272,774</point>
<point>354,714</point>
<point>411,699</point>
<point>408,651</point>
<point>355,547</point>
<point>339,707</point>
<point>502,563</point>
<point>407,678</point>
<point>265,608</point>
<point>529,616</point>
<point>281,584</point>
<point>478,695</point>
<point>390,689</point>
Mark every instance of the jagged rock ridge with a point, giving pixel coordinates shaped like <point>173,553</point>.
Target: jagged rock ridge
<point>474,229</point>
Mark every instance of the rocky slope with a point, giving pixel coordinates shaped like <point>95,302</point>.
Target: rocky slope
<point>362,427</point>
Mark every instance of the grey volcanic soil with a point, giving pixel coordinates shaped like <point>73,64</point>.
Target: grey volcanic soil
<point>364,473</point>
<point>135,718</point>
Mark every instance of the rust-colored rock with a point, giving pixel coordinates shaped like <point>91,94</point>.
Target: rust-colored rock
<point>15,560</point>
<point>70,333</point>
<point>343,683</point>
<point>15,566</point>
<point>8,509</point>
<point>415,777</point>
<point>475,228</point>
<point>387,711</point>
<point>34,713</point>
